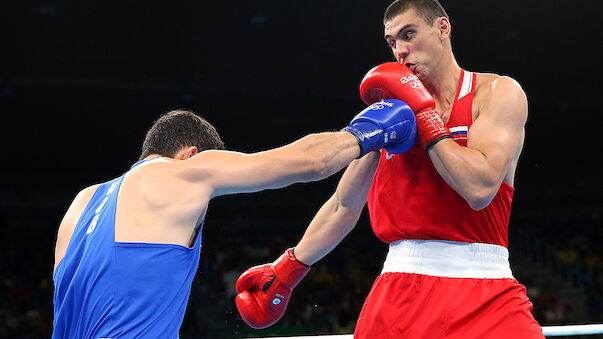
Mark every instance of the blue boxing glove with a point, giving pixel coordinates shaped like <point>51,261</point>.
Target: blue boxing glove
<point>388,123</point>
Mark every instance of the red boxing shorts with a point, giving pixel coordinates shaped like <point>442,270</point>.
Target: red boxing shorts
<point>468,293</point>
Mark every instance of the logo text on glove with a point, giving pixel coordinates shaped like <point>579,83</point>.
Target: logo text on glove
<point>278,298</point>
<point>405,80</point>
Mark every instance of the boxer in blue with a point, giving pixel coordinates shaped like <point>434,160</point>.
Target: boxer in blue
<point>127,250</point>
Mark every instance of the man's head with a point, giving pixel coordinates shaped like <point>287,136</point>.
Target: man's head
<point>180,131</point>
<point>418,32</point>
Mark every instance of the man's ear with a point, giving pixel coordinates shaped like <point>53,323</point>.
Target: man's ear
<point>191,151</point>
<point>444,27</point>
<point>186,152</point>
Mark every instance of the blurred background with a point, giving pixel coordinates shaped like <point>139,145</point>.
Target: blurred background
<point>82,81</point>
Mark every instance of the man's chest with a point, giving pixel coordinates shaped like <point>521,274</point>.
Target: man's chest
<point>458,110</point>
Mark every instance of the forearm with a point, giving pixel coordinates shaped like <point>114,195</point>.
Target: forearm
<point>328,152</point>
<point>311,158</point>
<point>330,225</point>
<point>338,216</point>
<point>468,171</point>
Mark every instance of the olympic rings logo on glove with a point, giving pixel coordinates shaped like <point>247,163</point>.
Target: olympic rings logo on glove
<point>381,105</point>
<point>416,84</point>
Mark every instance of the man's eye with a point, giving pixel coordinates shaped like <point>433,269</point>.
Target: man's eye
<point>408,35</point>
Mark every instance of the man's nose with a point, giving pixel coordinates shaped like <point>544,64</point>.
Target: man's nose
<point>401,50</point>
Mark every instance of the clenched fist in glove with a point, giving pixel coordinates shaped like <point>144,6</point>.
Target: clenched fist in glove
<point>390,124</point>
<point>264,290</point>
<point>394,80</point>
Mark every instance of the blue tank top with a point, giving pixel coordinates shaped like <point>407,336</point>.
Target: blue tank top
<point>109,289</point>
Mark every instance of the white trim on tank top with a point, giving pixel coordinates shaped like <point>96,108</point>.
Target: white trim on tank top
<point>466,85</point>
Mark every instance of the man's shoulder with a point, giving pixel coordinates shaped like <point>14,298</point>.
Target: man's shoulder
<point>490,86</point>
<point>75,210</point>
<point>488,83</point>
<point>161,169</point>
<point>500,95</point>
<point>82,199</point>
<point>86,194</point>
<point>161,180</point>
<point>168,167</point>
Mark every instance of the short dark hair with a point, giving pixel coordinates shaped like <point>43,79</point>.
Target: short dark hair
<point>177,129</point>
<point>428,10</point>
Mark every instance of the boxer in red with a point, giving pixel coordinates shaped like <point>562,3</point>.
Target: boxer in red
<point>443,206</point>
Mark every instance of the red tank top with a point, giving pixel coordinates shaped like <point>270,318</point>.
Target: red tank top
<point>408,198</point>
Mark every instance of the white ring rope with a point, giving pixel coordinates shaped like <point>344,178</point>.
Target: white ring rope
<point>555,331</point>
<point>548,331</point>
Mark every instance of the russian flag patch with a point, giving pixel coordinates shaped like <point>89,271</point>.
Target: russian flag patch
<point>459,132</point>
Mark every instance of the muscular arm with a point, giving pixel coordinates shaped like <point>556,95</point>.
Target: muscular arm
<point>494,142</point>
<point>264,290</point>
<point>311,158</point>
<point>338,216</point>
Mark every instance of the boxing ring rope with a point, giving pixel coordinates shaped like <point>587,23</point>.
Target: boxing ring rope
<point>548,331</point>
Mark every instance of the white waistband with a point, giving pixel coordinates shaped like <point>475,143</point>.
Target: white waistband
<point>442,258</point>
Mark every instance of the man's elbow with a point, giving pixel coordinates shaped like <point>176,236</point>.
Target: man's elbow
<point>348,216</point>
<point>478,204</point>
<point>480,200</point>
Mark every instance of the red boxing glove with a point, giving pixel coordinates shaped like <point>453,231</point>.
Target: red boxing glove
<point>392,80</point>
<point>264,290</point>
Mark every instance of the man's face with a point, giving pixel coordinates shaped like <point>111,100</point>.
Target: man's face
<point>414,43</point>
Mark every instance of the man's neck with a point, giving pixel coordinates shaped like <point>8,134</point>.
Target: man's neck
<point>443,82</point>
